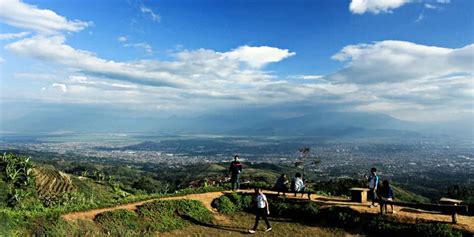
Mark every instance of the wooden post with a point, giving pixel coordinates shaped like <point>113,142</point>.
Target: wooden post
<point>454,202</point>
<point>363,197</point>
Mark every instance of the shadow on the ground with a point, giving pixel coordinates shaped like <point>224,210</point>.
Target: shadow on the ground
<point>214,226</point>
<point>412,210</point>
<point>329,199</point>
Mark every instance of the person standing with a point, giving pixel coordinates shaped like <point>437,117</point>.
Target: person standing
<point>263,210</point>
<point>235,169</point>
<point>373,185</point>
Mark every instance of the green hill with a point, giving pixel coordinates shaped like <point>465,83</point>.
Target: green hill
<point>94,186</point>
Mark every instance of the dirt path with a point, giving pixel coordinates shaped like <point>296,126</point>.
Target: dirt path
<point>205,198</point>
<point>465,223</point>
<point>406,215</point>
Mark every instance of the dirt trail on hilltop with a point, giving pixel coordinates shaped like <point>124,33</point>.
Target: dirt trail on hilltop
<point>205,198</point>
<point>405,215</point>
<point>465,223</point>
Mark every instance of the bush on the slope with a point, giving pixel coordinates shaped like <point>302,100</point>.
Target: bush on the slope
<point>193,211</point>
<point>336,216</point>
<point>119,222</point>
<point>383,227</point>
<point>170,215</point>
<point>224,205</point>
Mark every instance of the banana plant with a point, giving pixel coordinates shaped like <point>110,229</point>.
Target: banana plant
<point>17,173</point>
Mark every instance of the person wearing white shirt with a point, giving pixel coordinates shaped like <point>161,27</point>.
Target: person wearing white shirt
<point>297,184</point>
<point>263,210</point>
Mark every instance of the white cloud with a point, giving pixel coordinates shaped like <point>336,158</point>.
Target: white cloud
<point>404,79</point>
<point>2,60</point>
<point>375,6</point>
<point>399,78</point>
<point>394,77</point>
<point>122,39</point>
<point>306,77</point>
<point>394,61</point>
<point>22,15</point>
<point>54,49</point>
<point>75,78</point>
<point>143,46</point>
<point>191,68</point>
<point>419,18</point>
<point>386,6</point>
<point>8,36</point>
<point>258,57</point>
<point>36,76</point>
<point>430,6</point>
<point>154,16</point>
<point>61,87</point>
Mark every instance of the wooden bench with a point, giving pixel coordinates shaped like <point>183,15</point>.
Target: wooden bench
<point>359,194</point>
<point>450,201</point>
<point>303,193</point>
<point>444,208</point>
<point>309,193</point>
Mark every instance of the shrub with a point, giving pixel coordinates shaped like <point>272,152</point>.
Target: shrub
<point>338,187</point>
<point>341,217</point>
<point>52,225</point>
<point>7,224</point>
<point>193,211</point>
<point>384,227</point>
<point>234,202</point>
<point>224,205</point>
<point>170,215</point>
<point>119,222</point>
<point>17,173</point>
<point>435,229</point>
<point>160,216</point>
<point>246,202</point>
<point>297,211</point>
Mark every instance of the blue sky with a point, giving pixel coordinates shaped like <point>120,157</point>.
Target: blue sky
<point>412,60</point>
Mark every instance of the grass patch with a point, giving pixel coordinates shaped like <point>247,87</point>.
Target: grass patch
<point>119,223</point>
<point>164,216</point>
<point>37,219</point>
<point>311,214</point>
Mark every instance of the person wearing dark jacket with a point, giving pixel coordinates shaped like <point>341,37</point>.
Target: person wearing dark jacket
<point>235,169</point>
<point>386,194</point>
<point>281,184</point>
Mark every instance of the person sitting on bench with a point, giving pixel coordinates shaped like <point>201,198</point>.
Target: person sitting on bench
<point>280,184</point>
<point>386,194</point>
<point>297,185</point>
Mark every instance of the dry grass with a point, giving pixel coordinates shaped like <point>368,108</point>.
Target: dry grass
<point>238,224</point>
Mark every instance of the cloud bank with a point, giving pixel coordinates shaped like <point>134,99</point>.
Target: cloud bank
<point>387,6</point>
<point>375,6</point>
<point>403,79</point>
<point>22,15</point>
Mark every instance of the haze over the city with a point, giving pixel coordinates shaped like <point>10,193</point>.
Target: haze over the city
<point>247,67</point>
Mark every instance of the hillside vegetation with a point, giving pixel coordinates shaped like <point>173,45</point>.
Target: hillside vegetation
<point>50,182</point>
<point>47,193</point>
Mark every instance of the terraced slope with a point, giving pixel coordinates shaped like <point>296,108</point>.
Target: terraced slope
<point>49,182</point>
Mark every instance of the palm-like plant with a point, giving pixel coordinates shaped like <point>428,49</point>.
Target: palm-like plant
<point>16,171</point>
